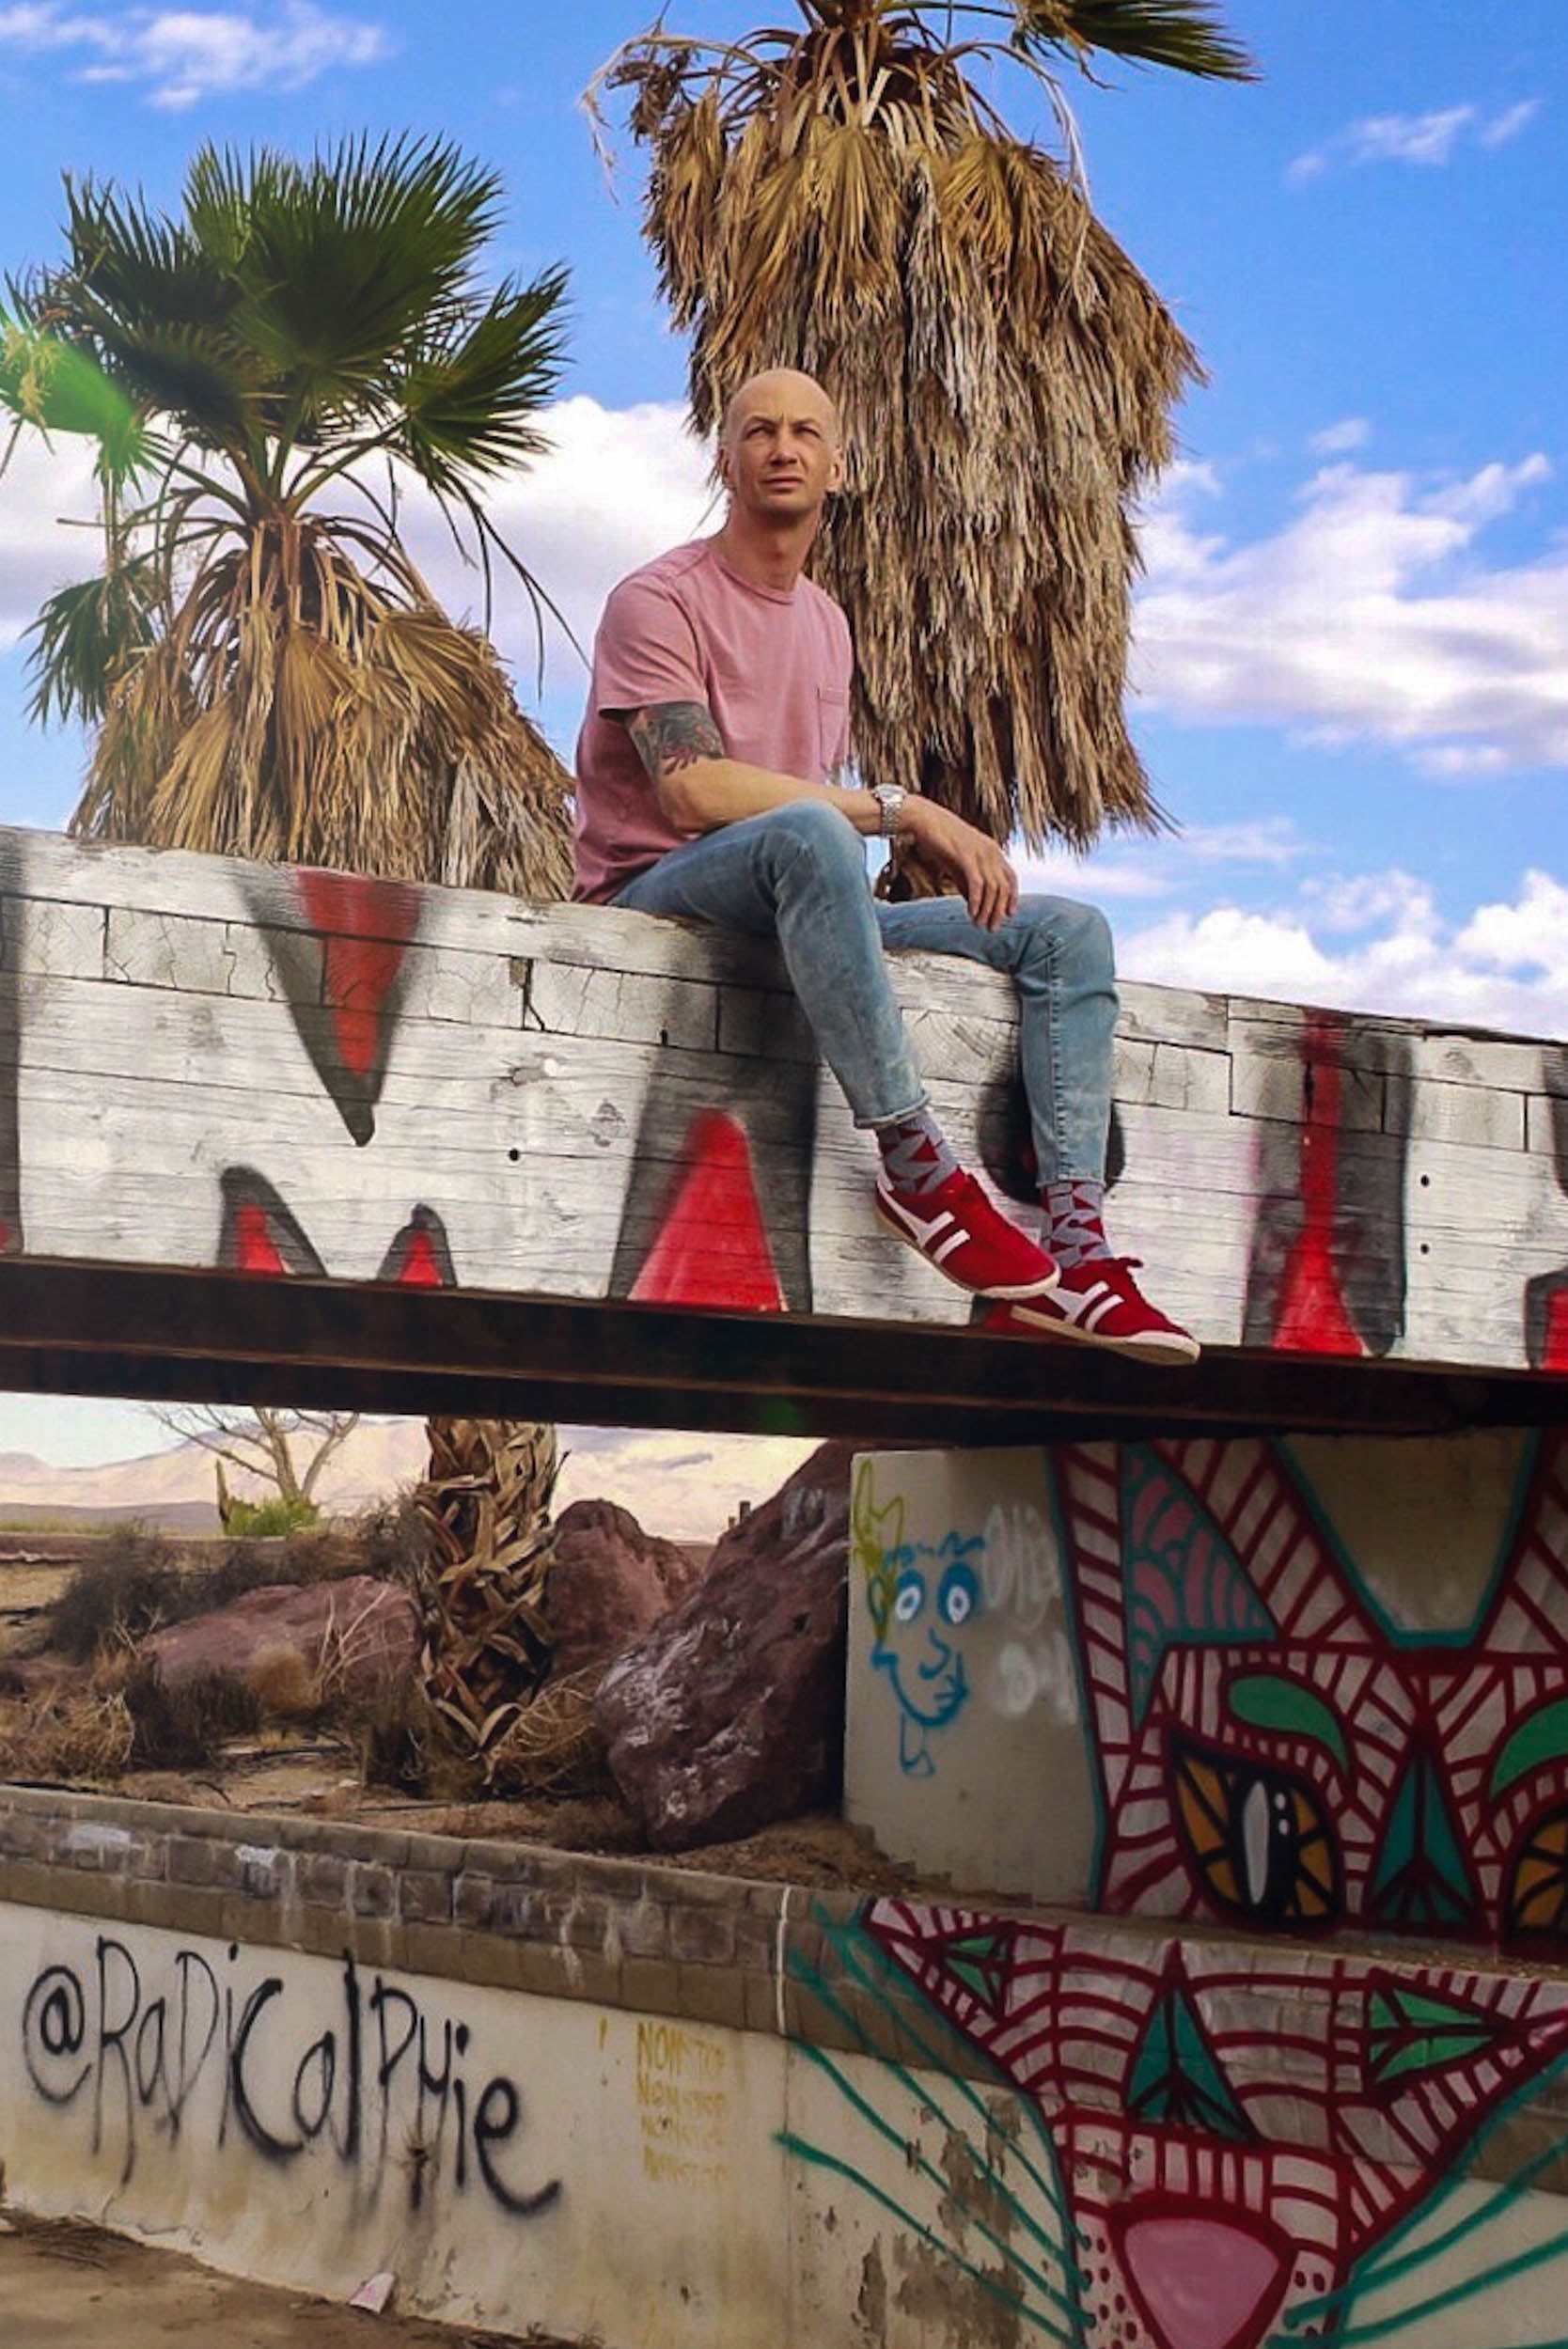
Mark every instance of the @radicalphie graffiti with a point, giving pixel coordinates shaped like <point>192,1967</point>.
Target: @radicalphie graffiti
<point>921,1596</point>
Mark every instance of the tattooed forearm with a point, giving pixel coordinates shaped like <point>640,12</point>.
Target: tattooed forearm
<point>673,735</point>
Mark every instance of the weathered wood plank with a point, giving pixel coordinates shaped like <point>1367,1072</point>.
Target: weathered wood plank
<point>558,1091</point>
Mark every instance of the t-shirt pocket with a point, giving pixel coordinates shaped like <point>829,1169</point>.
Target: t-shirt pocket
<point>832,727</point>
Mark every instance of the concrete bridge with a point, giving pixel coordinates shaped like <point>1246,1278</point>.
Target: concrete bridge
<point>264,1130</point>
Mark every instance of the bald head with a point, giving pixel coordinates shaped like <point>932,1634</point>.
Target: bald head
<point>784,392</point>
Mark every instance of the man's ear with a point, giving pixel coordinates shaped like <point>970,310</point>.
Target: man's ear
<point>836,477</point>
<point>722,467</point>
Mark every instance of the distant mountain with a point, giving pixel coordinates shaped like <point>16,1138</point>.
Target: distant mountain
<point>683,1485</point>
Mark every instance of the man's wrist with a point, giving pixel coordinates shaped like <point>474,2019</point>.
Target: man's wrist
<point>891,801</point>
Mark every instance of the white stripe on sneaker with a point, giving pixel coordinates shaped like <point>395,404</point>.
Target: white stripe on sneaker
<point>944,1249</point>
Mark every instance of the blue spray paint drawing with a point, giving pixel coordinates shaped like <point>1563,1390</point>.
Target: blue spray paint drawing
<point>920,1596</point>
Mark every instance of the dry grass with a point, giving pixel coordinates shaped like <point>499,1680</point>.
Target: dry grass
<point>131,1587</point>
<point>186,1727</point>
<point>403,1743</point>
<point>82,1735</point>
<point>122,1717</point>
<point>283,1685</point>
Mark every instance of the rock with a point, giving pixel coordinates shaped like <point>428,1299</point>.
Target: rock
<point>609,1583</point>
<point>357,1635</point>
<point>729,1712</point>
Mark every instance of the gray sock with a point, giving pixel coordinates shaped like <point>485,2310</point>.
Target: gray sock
<point>915,1156</point>
<point>1075,1225</point>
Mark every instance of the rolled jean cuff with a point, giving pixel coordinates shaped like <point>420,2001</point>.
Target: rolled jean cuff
<point>899,1116</point>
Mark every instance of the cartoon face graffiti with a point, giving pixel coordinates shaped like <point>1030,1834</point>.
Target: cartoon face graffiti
<point>920,1595</point>
<point>1208,2190</point>
<point>1271,1750</point>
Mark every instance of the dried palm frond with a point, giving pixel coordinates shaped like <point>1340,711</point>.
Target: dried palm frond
<point>486,1507</point>
<point>842,199</point>
<point>296,709</point>
<point>553,1746</point>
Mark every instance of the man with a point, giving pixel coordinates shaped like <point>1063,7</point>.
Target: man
<point>719,709</point>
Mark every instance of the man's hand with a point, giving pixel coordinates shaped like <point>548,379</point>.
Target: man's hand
<point>960,852</point>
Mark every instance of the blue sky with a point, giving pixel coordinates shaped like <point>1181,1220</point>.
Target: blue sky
<point>1353,635</point>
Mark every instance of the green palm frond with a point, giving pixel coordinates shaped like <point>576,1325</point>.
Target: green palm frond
<point>348,258</point>
<point>87,637</point>
<point>56,387</point>
<point>130,268</point>
<point>1182,35</point>
<point>470,402</point>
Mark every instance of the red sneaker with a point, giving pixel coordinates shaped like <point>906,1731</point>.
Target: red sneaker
<point>1099,1303</point>
<point>956,1229</point>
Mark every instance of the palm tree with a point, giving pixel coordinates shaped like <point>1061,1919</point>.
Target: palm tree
<point>268,674</point>
<point>841,197</point>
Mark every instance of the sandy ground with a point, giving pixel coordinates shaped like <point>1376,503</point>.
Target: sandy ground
<point>63,2285</point>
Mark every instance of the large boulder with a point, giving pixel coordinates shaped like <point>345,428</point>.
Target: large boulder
<point>729,1714</point>
<point>354,1635</point>
<point>609,1583</point>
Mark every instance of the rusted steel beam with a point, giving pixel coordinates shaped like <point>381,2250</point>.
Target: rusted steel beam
<point>152,1331</point>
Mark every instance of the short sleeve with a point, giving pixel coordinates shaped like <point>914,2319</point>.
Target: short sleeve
<point>645,651</point>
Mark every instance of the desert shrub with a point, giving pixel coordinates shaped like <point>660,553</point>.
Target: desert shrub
<point>131,1588</point>
<point>182,1728</point>
<point>258,1520</point>
<point>81,1735</point>
<point>402,1743</point>
<point>394,1541</point>
<point>284,1685</point>
<point>309,1556</point>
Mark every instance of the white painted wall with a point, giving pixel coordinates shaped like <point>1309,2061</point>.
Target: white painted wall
<point>703,2188</point>
<point>964,1748</point>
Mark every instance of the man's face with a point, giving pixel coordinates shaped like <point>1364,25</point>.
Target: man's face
<point>780,455</point>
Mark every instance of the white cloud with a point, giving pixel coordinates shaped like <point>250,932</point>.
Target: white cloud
<point>1338,440</point>
<point>1509,124</point>
<point>619,485</point>
<point>44,489</point>
<point>1429,140</point>
<point>1371,615</point>
<point>1531,934</point>
<point>1376,943</point>
<point>180,55</point>
<point>1127,871</point>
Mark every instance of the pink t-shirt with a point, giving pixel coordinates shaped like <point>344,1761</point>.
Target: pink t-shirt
<point>773,667</point>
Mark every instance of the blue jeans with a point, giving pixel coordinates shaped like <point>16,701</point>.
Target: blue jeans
<point>798,875</point>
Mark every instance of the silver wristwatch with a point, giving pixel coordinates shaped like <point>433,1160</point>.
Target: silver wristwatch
<point>889,798</point>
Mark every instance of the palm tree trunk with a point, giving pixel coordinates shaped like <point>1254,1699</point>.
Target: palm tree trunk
<point>485,1504</point>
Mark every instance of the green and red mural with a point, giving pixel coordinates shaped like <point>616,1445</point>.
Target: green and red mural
<point>1271,1749</point>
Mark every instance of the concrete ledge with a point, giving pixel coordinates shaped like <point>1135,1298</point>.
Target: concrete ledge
<point>658,2110</point>
<point>774,1959</point>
